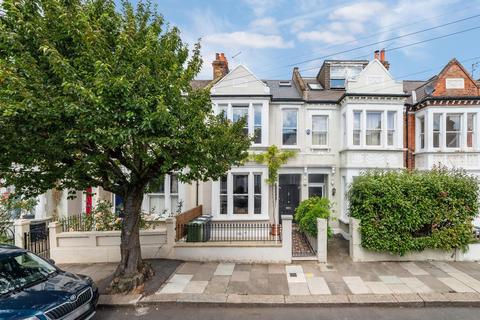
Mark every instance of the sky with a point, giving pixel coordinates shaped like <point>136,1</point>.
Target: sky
<point>270,37</point>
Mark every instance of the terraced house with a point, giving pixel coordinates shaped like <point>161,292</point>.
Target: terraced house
<point>352,116</point>
<point>346,119</point>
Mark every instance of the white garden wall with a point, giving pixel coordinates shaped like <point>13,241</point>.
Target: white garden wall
<point>104,246</point>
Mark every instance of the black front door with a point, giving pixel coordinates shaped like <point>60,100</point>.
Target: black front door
<point>288,193</point>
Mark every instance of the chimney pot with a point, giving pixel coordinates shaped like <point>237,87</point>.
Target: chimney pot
<point>220,66</point>
<point>375,54</point>
<point>385,63</point>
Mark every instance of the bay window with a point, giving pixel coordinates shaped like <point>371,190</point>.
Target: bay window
<point>357,127</point>
<point>223,109</point>
<point>223,195</point>
<point>453,129</point>
<point>289,129</point>
<point>319,130</point>
<point>421,122</point>
<point>471,119</point>
<point>391,115</point>
<point>163,196</point>
<point>437,120</point>
<point>174,192</point>
<point>239,195</point>
<point>257,195</point>
<point>156,198</point>
<point>374,128</point>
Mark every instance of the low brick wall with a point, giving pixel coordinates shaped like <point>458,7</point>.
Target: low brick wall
<point>360,254</point>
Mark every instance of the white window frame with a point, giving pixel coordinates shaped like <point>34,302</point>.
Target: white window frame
<point>250,104</point>
<point>473,131</point>
<point>167,195</point>
<point>440,131</point>
<point>367,129</point>
<point>312,114</point>
<point>421,136</point>
<point>322,185</point>
<point>359,130</point>
<point>459,132</point>
<point>392,131</point>
<point>250,171</point>
<point>283,110</point>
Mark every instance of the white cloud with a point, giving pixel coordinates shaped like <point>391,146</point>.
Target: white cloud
<point>248,39</point>
<point>326,36</point>
<point>300,24</point>
<point>265,25</point>
<point>361,11</point>
<point>260,7</point>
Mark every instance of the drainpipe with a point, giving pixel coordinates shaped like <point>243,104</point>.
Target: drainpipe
<point>196,194</point>
<point>406,137</point>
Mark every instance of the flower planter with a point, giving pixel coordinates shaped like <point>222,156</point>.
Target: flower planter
<point>276,229</point>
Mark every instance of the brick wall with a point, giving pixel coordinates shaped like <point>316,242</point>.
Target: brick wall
<point>409,153</point>
<point>454,70</point>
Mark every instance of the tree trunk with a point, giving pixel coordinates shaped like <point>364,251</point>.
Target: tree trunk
<point>131,272</point>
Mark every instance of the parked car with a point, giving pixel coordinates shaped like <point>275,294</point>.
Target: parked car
<point>32,288</point>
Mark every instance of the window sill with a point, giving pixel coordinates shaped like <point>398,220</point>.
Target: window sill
<point>326,148</point>
<point>291,147</point>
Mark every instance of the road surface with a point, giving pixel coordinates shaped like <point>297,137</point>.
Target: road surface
<point>183,312</point>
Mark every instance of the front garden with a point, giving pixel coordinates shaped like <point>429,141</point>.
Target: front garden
<point>407,211</point>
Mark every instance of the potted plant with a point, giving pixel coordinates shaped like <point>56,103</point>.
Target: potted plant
<point>273,158</point>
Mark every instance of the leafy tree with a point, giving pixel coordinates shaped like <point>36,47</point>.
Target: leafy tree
<point>273,158</point>
<point>94,95</point>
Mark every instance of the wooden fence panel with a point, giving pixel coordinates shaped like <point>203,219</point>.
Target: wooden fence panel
<point>184,218</point>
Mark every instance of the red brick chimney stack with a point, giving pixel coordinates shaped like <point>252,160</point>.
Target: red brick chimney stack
<point>220,66</point>
<point>385,63</point>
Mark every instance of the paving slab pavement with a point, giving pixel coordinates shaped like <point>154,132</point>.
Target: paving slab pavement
<point>402,283</point>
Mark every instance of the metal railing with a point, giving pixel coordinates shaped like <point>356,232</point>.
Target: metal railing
<point>229,232</point>
<point>76,223</point>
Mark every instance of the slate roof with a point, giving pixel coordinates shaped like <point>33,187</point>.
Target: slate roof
<point>200,84</point>
<point>283,92</point>
<point>418,86</point>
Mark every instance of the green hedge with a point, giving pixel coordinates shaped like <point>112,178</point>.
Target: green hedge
<point>403,211</point>
<point>307,213</point>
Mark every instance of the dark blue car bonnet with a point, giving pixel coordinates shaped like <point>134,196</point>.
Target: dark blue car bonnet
<point>43,296</point>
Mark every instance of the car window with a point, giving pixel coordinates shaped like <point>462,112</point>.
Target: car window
<point>22,270</point>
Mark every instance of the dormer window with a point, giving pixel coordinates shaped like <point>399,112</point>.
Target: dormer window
<point>339,74</point>
<point>337,83</point>
<point>314,86</point>
<point>284,84</point>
